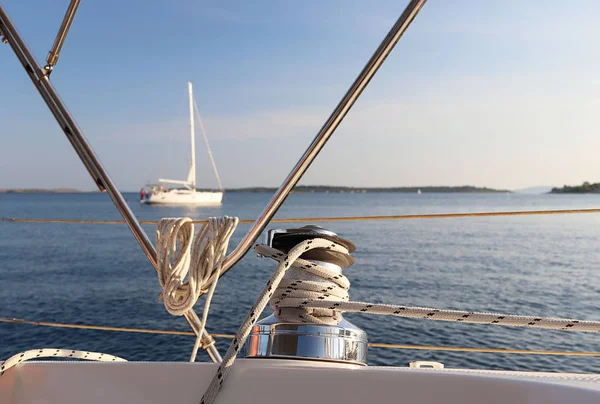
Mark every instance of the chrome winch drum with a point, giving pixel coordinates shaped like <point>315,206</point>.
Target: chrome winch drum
<point>271,338</point>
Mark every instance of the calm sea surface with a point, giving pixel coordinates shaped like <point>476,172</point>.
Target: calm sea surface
<point>97,274</point>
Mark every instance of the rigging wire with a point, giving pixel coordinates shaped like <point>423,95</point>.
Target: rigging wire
<point>331,219</point>
<point>371,344</point>
<point>210,155</point>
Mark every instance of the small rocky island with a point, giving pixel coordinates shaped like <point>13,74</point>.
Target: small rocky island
<point>585,188</point>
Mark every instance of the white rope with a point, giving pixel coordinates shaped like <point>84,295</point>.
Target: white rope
<point>307,281</point>
<point>179,254</point>
<point>305,291</point>
<point>56,353</point>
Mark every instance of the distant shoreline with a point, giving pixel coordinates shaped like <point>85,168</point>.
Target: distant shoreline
<point>40,191</point>
<point>585,188</point>
<point>358,190</point>
<point>297,189</point>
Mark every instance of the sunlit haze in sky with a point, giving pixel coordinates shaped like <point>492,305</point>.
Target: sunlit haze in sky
<point>496,93</point>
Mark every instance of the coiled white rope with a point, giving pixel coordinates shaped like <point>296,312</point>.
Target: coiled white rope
<point>306,291</point>
<point>180,254</point>
<point>56,353</point>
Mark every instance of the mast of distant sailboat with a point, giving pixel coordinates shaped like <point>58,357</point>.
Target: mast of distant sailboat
<point>190,182</point>
<point>192,174</point>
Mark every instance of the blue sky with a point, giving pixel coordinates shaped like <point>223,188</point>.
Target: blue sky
<point>495,93</point>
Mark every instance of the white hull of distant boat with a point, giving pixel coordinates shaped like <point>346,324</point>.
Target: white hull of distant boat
<point>155,194</point>
<point>182,197</point>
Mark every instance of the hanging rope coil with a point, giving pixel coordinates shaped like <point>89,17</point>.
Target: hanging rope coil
<point>199,258</point>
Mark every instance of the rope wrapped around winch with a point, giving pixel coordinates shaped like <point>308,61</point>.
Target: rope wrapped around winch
<point>306,281</point>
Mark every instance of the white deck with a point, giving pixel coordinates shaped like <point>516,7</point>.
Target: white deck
<point>268,381</point>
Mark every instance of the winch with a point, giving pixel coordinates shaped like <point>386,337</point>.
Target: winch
<point>275,337</point>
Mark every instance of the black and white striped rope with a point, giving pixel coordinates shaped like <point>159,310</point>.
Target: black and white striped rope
<point>305,282</point>
<point>297,300</point>
<point>307,291</point>
<point>263,299</point>
<point>181,253</point>
<point>56,353</point>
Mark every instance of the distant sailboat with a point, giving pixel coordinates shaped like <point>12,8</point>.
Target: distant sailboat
<point>419,191</point>
<point>161,194</point>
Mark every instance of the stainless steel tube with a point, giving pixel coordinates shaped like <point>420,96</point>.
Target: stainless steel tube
<point>338,114</point>
<point>78,140</point>
<point>54,53</point>
<point>73,133</point>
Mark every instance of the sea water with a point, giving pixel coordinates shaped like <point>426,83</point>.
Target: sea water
<point>97,274</point>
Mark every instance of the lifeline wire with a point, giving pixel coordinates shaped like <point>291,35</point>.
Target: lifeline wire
<point>371,344</point>
<point>331,219</point>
